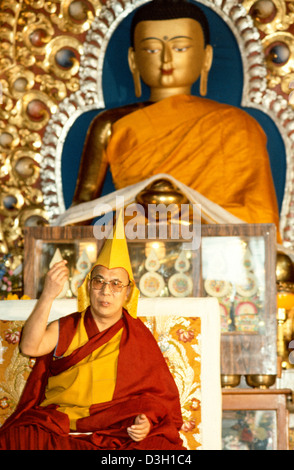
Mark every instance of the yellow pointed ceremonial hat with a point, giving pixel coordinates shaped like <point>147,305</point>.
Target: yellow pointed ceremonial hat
<point>114,254</point>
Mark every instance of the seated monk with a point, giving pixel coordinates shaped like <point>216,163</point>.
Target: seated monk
<point>216,149</point>
<point>100,381</point>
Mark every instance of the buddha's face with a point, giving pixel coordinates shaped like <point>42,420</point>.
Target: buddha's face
<point>168,53</point>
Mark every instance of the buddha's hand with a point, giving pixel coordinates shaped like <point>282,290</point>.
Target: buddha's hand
<point>140,429</point>
<point>55,279</point>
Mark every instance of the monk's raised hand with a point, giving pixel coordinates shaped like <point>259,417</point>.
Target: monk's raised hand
<point>55,279</point>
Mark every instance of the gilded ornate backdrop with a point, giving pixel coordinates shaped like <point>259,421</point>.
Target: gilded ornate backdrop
<point>47,49</point>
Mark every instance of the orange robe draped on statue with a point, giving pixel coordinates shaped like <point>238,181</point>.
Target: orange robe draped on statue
<point>142,383</point>
<point>216,149</point>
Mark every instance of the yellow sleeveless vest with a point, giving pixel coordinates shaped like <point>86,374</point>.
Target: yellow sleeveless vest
<point>89,382</point>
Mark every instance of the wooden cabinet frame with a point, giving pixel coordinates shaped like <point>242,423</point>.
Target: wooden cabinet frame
<point>258,399</point>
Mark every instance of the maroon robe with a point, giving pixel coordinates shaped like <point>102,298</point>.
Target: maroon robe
<point>144,385</point>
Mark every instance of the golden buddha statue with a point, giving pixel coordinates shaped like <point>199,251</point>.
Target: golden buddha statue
<point>216,149</point>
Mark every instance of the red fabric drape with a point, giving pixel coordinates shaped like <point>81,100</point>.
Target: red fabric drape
<point>144,385</point>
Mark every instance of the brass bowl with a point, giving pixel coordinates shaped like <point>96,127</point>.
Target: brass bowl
<point>230,381</point>
<point>284,268</point>
<point>260,381</point>
<point>161,192</point>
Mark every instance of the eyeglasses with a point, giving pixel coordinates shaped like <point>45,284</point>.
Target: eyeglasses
<point>98,283</point>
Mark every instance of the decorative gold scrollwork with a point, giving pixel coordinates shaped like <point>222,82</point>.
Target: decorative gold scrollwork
<point>269,15</point>
<point>33,110</point>
<point>76,16</point>
<point>40,48</point>
<point>62,57</point>
<point>279,53</point>
<point>24,166</point>
<point>275,19</point>
<point>37,32</point>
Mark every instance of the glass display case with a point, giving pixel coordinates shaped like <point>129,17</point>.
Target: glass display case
<point>238,267</point>
<point>255,419</point>
<point>165,269</point>
<point>249,430</point>
<point>43,246</point>
<point>234,263</point>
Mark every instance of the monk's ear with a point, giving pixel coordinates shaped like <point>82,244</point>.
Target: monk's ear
<point>129,291</point>
<point>135,72</point>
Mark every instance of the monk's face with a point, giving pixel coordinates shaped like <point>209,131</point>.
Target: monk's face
<point>168,53</point>
<point>106,304</point>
